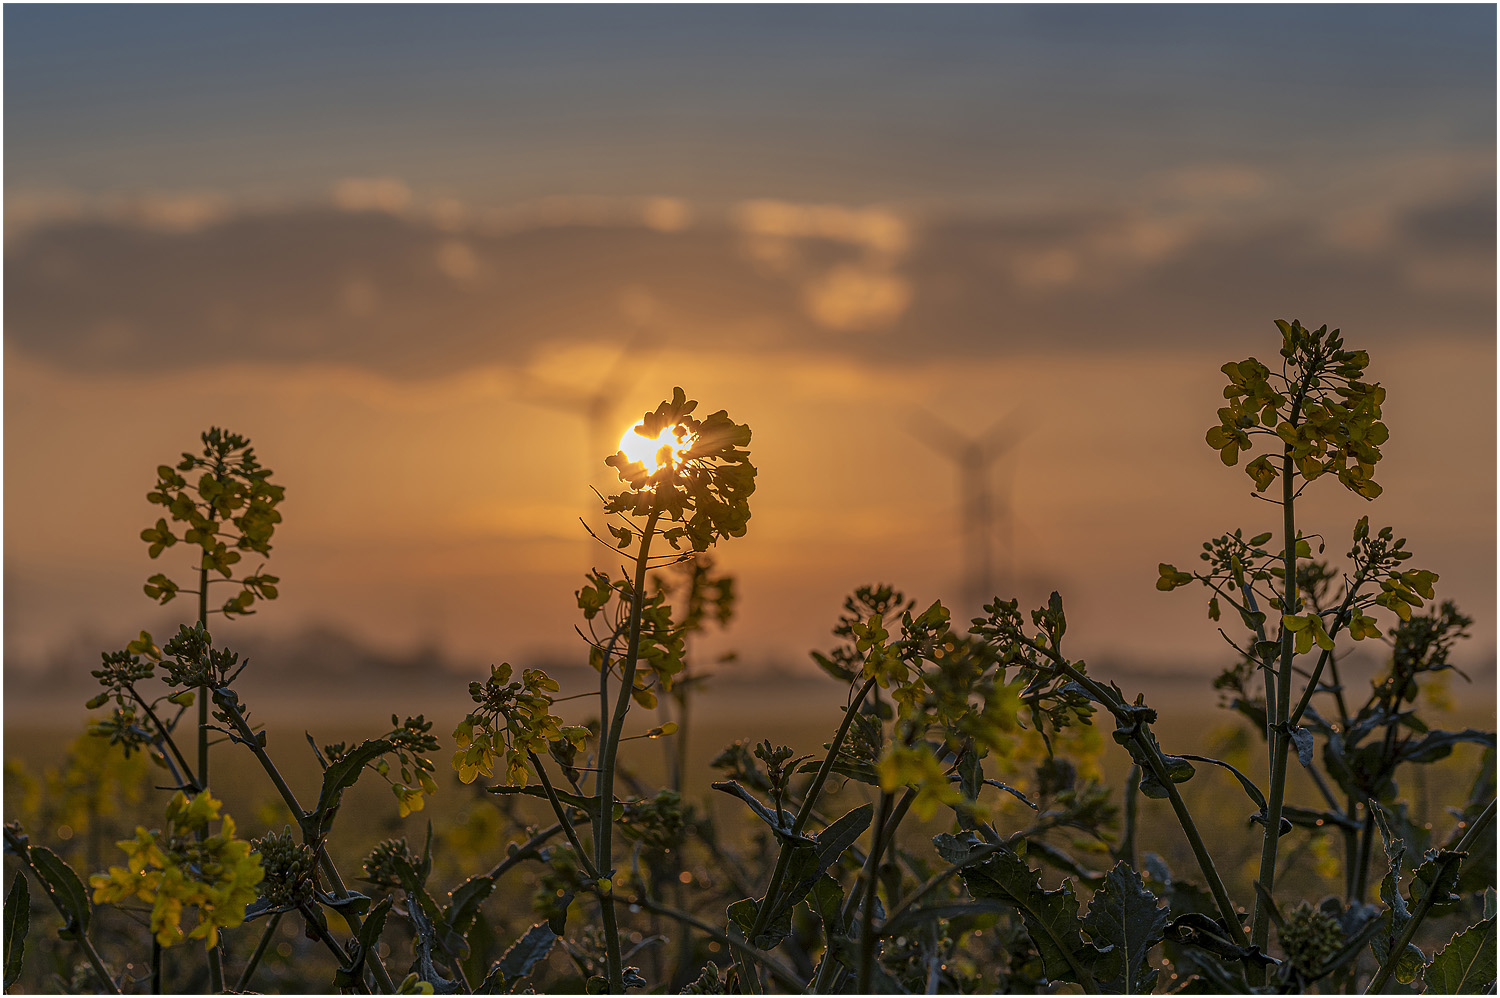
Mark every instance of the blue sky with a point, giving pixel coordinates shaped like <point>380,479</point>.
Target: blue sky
<point>966,103</point>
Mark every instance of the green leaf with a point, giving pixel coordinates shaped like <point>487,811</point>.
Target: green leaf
<point>1394,919</point>
<point>344,774</point>
<point>1124,922</point>
<point>827,899</point>
<point>1303,740</point>
<point>528,951</point>
<point>1051,917</point>
<point>841,834</point>
<point>1437,875</point>
<point>466,899</point>
<point>17,924</point>
<point>589,804</point>
<point>1466,966</point>
<point>370,929</point>
<point>351,975</point>
<point>1179,770</point>
<point>65,888</point>
<point>1251,790</point>
<point>1439,744</point>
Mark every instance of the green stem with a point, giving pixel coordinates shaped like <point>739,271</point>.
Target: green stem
<point>237,718</point>
<point>563,820</point>
<point>809,802</point>
<point>260,951</point>
<point>1260,922</point>
<point>867,914</point>
<point>524,852</point>
<point>1132,794</point>
<point>1398,949</point>
<point>1362,865</point>
<point>317,930</point>
<point>1141,736</point>
<point>187,771</point>
<point>604,823</point>
<point>1327,656</point>
<point>215,953</point>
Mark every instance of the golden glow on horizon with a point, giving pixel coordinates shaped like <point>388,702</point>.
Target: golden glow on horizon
<point>646,450</point>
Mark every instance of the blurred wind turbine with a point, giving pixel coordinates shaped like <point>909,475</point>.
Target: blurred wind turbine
<point>975,456</point>
<point>600,405</point>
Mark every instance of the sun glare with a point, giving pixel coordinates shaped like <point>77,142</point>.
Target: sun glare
<point>647,449</point>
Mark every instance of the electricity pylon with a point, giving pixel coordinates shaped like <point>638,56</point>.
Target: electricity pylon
<point>975,457</point>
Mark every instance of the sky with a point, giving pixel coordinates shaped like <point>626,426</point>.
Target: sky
<point>401,247</point>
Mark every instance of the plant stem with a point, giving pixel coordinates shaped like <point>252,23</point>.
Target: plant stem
<point>215,953</point>
<point>1362,865</point>
<point>260,950</point>
<point>562,818</point>
<point>1132,795</point>
<point>1153,754</point>
<point>237,718</point>
<point>604,823</point>
<point>1383,976</point>
<point>809,802</point>
<point>1260,922</point>
<point>187,771</point>
<point>317,930</point>
<point>867,914</point>
<point>524,852</point>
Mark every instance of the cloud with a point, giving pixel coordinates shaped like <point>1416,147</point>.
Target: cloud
<point>385,194</point>
<point>854,298</point>
<point>440,287</point>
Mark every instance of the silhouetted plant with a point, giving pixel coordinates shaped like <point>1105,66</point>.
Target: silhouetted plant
<point>984,734</point>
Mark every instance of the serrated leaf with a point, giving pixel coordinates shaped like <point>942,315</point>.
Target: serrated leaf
<point>1125,922</point>
<point>370,929</point>
<point>17,924</point>
<point>528,951</point>
<point>352,974</point>
<point>465,901</point>
<point>1466,966</point>
<point>1437,875</point>
<point>1050,917</point>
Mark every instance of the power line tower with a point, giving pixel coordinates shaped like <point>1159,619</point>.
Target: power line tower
<point>981,505</point>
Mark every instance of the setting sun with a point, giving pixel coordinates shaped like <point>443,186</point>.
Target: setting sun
<point>646,450</point>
